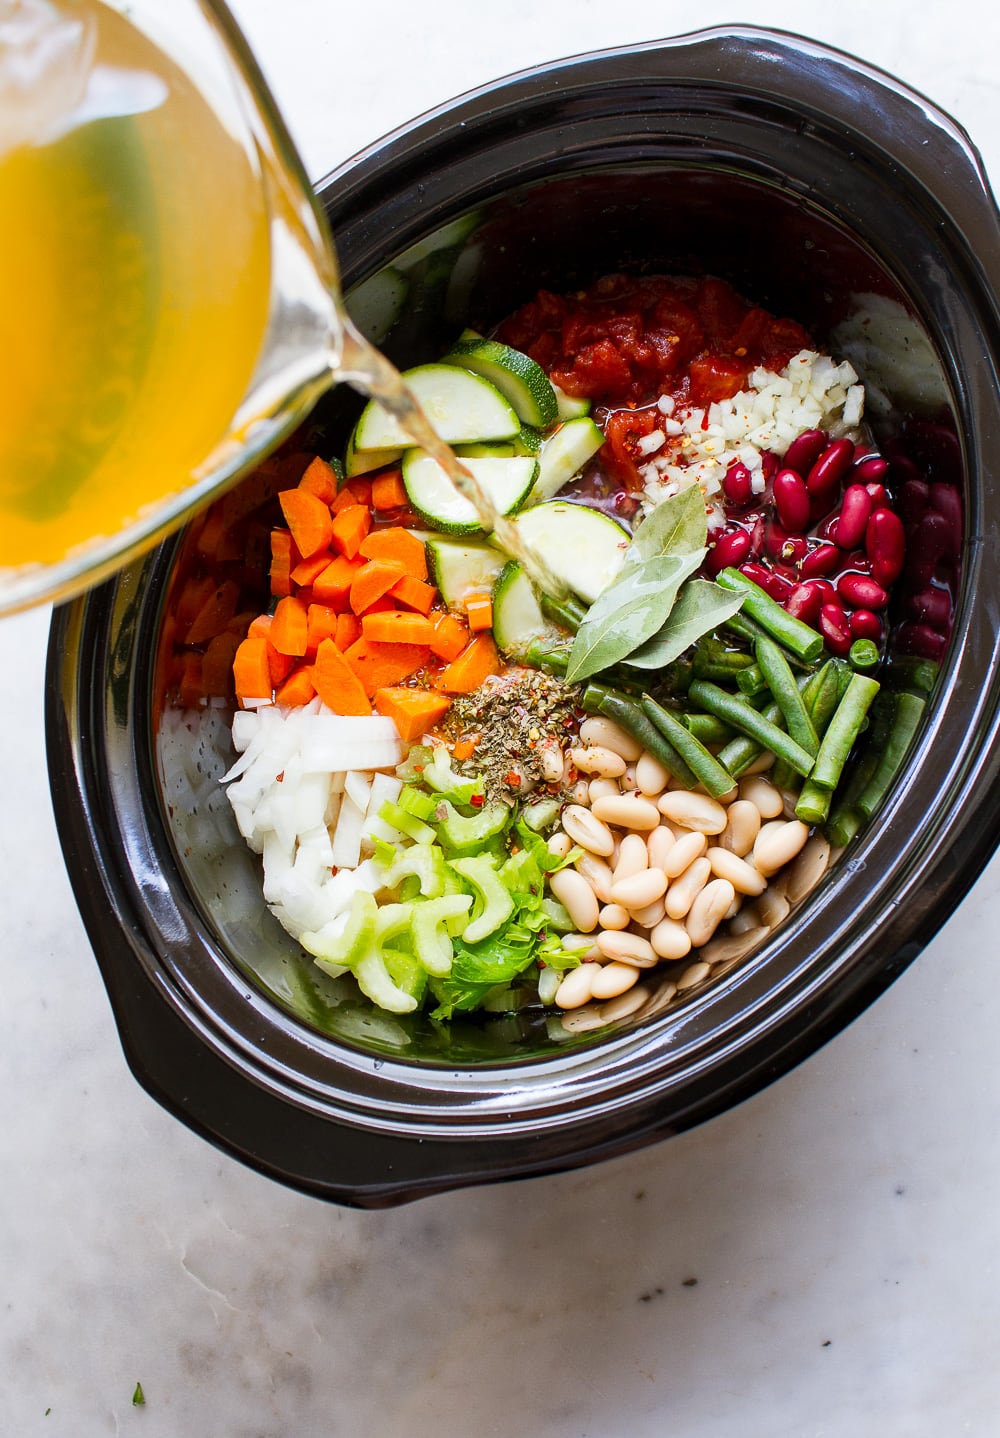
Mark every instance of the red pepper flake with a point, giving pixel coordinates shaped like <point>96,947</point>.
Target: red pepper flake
<point>513,779</point>
<point>477,801</point>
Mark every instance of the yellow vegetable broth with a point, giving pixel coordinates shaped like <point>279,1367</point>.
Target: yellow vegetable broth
<point>134,295</point>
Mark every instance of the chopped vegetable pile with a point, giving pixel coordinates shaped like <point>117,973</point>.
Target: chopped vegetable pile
<point>472,796</point>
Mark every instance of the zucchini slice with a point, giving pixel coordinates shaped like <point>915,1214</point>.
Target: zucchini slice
<point>364,461</point>
<point>463,408</point>
<point>580,545</point>
<point>507,480</point>
<point>564,454</point>
<point>460,568</point>
<point>517,615</point>
<point>514,374</point>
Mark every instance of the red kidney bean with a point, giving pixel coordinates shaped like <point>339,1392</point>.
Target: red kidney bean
<point>930,606</point>
<point>804,451</point>
<point>858,559</point>
<point>769,463</point>
<point>855,512</point>
<point>771,583</point>
<point>755,529</point>
<point>737,485</point>
<point>864,624</point>
<point>831,467</point>
<point>824,559</point>
<point>828,529</point>
<point>914,500</point>
<point>879,495</point>
<point>791,499</point>
<point>869,469</point>
<point>946,501</point>
<point>729,551</point>
<point>835,629</point>
<point>861,591</point>
<point>921,640</point>
<point>885,545</point>
<point>806,600</point>
<point>930,542</point>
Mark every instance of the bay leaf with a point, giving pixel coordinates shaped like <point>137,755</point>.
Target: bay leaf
<point>628,612</point>
<point>676,526</point>
<point>701,606</point>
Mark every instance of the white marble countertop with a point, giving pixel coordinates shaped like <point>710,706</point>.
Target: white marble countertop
<point>817,1263</point>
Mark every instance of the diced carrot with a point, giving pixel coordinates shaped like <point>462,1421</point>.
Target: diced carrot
<point>479,610</point>
<point>350,528</point>
<point>449,636</point>
<point>215,613</point>
<point>361,487</point>
<point>321,623</point>
<point>388,491</point>
<point>379,665</point>
<point>261,626</point>
<point>414,593</point>
<point>334,584</point>
<point>398,544</point>
<point>477,661</point>
<point>192,691</point>
<point>307,569</point>
<point>336,682</point>
<point>289,631</point>
<point>348,631</point>
<point>465,748</point>
<point>284,557</point>
<point>413,711</point>
<point>383,605</point>
<point>217,666</point>
<point>320,480</point>
<point>397,626</point>
<point>308,518</point>
<point>193,594</point>
<point>279,665</point>
<point>344,500</point>
<point>217,539</point>
<point>373,580</point>
<point>297,689</point>
<point>250,669</point>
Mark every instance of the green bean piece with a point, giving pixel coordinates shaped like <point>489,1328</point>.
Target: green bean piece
<point>907,714</point>
<point>813,803</point>
<point>781,682</point>
<point>741,752</point>
<point>735,710</point>
<point>568,613</point>
<point>540,655</point>
<point>704,765</point>
<point>744,628</point>
<point>915,673</point>
<point>599,699</point>
<point>863,654</point>
<point>843,730</point>
<point>707,728</point>
<point>750,681</point>
<point>822,695</point>
<point>798,638</point>
<point>725,666</point>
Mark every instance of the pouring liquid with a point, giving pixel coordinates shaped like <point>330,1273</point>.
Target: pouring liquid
<point>147,228</point>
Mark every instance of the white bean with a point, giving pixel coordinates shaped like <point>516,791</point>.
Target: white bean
<point>805,872</point>
<point>614,979</point>
<point>587,831</point>
<point>609,735</point>
<point>598,874</point>
<point>627,811</point>
<point>772,907</point>
<point>689,847</point>
<point>627,781</point>
<point>744,878</point>
<point>633,858</point>
<point>670,939</point>
<point>748,918</point>
<point>650,914</point>
<point>651,776</point>
<point>692,975</point>
<point>550,761</point>
<point>600,789</point>
<point>580,792</point>
<point>576,897</point>
<point>627,948</point>
<point>762,794</point>
<point>598,760</point>
<point>708,911</point>
<point>625,1004</point>
<point>580,1021</point>
<point>760,765</point>
<point>574,991</point>
<point>693,811</point>
<point>658,845</point>
<point>640,889</point>
<point>728,948</point>
<point>686,888</point>
<point>742,827</point>
<point>559,844</point>
<point>613,916</point>
<point>777,844</point>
